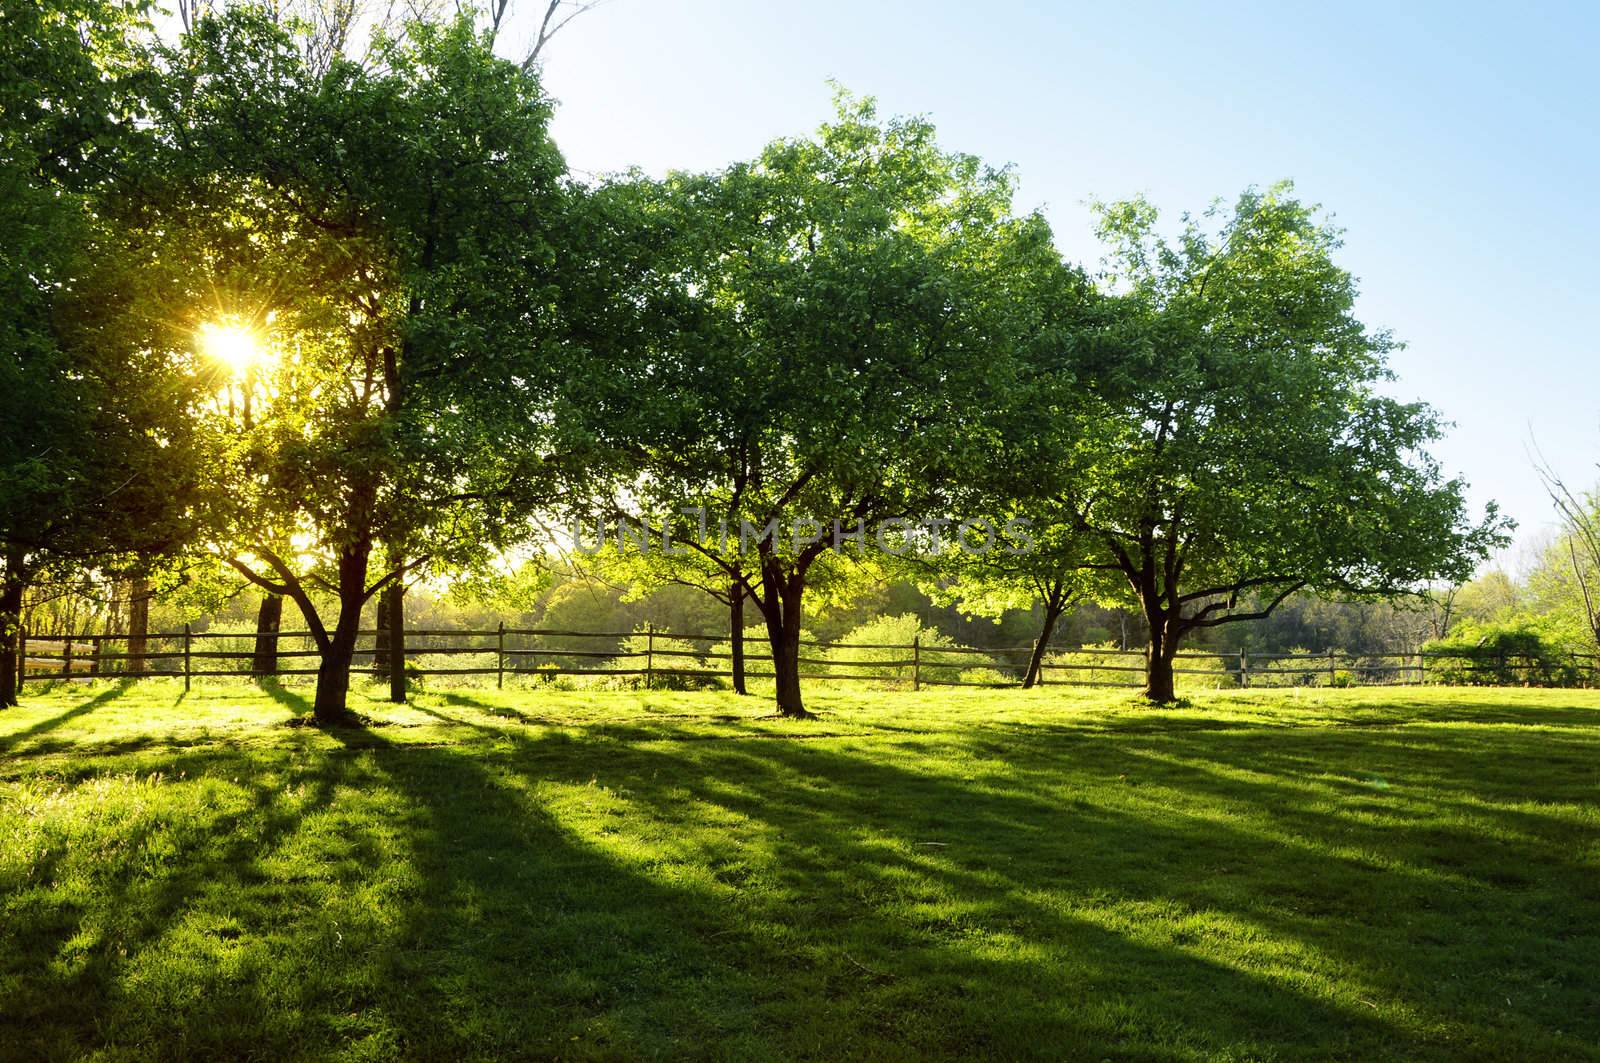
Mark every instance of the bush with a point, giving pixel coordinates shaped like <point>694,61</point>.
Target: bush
<point>989,677</point>
<point>897,633</point>
<point>1102,663</point>
<point>757,653</point>
<point>1304,668</point>
<point>1499,654</point>
<point>669,657</point>
<point>1105,664</point>
<point>1206,671</point>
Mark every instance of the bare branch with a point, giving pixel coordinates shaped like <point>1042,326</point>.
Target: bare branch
<point>557,14</point>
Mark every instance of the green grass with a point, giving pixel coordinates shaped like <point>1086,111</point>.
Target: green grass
<point>1330,874</point>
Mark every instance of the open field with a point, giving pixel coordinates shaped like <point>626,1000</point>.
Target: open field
<point>1062,874</point>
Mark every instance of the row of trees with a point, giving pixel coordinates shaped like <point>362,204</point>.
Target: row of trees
<point>336,324</point>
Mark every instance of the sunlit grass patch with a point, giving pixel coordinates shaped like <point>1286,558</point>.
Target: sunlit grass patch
<point>1354,873</point>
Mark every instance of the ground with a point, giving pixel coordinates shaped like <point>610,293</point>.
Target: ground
<point>1054,874</point>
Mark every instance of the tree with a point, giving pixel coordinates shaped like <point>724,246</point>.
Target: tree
<point>1579,512</point>
<point>94,450</point>
<point>269,620</point>
<point>1027,566</point>
<point>643,571</point>
<point>1231,447</point>
<point>364,260</point>
<point>838,316</point>
<point>1488,597</point>
<point>552,20</point>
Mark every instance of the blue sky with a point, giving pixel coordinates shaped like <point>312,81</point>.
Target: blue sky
<point>1457,144</point>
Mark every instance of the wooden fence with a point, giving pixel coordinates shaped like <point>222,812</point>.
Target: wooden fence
<point>660,658</point>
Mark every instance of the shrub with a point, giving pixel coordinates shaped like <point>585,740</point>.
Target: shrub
<point>1102,663</point>
<point>1301,668</point>
<point>757,653</point>
<point>1498,654</point>
<point>669,658</point>
<point>1206,671</point>
<point>1105,664</point>
<point>887,653</point>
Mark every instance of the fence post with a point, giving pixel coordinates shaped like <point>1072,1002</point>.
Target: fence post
<point>500,659</point>
<point>916,662</point>
<point>1244,670</point>
<point>186,641</point>
<point>649,656</point>
<point>1333,674</point>
<point>66,654</point>
<point>22,656</point>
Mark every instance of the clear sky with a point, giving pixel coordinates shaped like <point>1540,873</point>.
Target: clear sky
<point>1457,144</point>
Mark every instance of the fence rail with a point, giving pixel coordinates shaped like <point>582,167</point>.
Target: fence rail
<point>551,652</point>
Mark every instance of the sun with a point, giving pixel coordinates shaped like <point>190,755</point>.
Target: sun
<point>233,344</point>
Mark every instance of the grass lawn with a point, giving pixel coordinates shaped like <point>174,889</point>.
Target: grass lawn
<point>1061,874</point>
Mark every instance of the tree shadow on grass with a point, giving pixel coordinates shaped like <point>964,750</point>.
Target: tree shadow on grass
<point>612,896</point>
<point>1314,889</point>
<point>539,915</point>
<point>292,700</point>
<point>87,706</point>
<point>163,901</point>
<point>1417,917</point>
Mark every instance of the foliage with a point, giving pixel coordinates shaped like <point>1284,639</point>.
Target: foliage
<point>95,451</point>
<point>1106,664</point>
<point>1566,582</point>
<point>1488,597</point>
<point>1309,670</point>
<point>1514,652</point>
<point>885,652</point>
<point>458,346</point>
<point>1233,439</point>
<point>665,657</point>
<point>390,234</point>
<point>865,289</point>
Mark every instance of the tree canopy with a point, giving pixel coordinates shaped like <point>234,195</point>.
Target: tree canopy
<point>95,455</point>
<point>1232,444</point>
<point>853,302</point>
<point>382,240</point>
<point>339,324</point>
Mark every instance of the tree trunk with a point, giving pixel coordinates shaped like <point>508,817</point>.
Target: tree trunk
<point>786,673</point>
<point>1053,608</point>
<point>10,624</point>
<point>333,678</point>
<point>269,621</point>
<point>393,605</point>
<point>1158,685</point>
<point>1158,681</point>
<point>736,624</point>
<point>380,641</point>
<point>138,626</point>
<point>781,610</point>
<point>333,673</point>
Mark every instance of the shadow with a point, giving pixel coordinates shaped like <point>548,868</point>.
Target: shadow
<point>584,938</point>
<point>1318,886</point>
<point>454,697</point>
<point>44,726</point>
<point>296,703</point>
<point>992,892</point>
<point>159,913</point>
